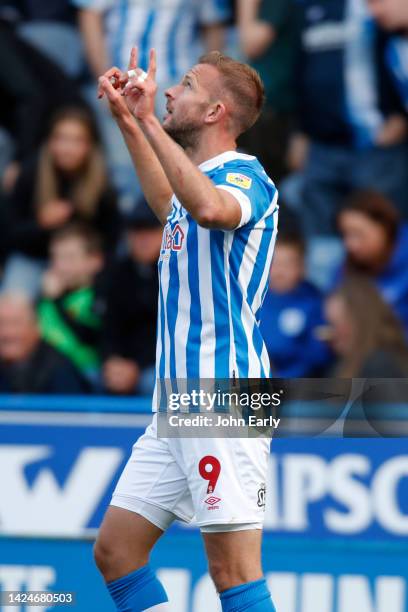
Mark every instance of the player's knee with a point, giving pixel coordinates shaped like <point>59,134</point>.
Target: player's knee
<point>109,560</point>
<point>114,561</point>
<point>223,576</point>
<point>226,575</point>
<point>103,556</point>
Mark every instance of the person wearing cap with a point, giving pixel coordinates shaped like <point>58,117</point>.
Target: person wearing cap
<point>129,330</point>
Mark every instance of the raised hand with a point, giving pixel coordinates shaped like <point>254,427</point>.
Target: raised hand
<point>110,84</point>
<point>115,76</point>
<point>140,94</point>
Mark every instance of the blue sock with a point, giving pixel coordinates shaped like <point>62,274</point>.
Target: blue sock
<point>252,596</point>
<point>137,591</point>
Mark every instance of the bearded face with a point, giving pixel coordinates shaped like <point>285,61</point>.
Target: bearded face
<point>187,105</point>
<point>184,123</point>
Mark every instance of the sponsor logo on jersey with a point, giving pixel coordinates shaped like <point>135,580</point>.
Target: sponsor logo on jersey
<point>240,180</point>
<point>173,240</point>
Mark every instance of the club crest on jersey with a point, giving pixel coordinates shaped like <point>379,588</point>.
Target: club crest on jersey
<point>262,496</point>
<point>240,180</point>
<point>173,239</point>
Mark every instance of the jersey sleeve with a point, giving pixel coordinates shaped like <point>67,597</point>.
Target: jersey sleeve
<point>253,193</point>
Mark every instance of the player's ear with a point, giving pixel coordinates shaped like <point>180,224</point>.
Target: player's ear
<point>215,112</point>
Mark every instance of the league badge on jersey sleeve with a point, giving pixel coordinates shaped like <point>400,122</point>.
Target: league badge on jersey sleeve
<point>240,180</point>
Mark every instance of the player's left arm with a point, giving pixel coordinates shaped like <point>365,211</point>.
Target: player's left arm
<point>210,207</point>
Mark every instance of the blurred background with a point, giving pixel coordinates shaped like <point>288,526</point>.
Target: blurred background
<point>78,282</point>
<point>75,229</point>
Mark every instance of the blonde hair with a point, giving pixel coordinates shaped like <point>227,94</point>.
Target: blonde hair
<point>244,85</point>
<point>90,182</point>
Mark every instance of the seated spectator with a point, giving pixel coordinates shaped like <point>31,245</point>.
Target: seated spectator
<point>376,244</point>
<point>70,307</point>
<point>392,15</point>
<point>129,328</point>
<point>364,333</point>
<point>350,110</point>
<point>65,182</point>
<point>291,313</point>
<point>27,363</point>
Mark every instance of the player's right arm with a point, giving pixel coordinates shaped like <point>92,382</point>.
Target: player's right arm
<point>153,180</point>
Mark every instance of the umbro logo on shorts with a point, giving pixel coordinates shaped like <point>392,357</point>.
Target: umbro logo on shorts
<point>212,501</point>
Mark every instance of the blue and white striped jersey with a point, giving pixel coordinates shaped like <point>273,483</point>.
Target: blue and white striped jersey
<point>213,282</point>
<point>170,26</point>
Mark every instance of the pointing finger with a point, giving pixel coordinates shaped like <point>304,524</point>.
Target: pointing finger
<point>151,72</point>
<point>133,58</point>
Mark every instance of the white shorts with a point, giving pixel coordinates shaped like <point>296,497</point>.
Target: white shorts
<point>217,481</point>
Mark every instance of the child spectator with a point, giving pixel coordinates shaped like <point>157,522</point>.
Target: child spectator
<point>27,363</point>
<point>376,244</point>
<point>291,313</point>
<point>364,333</point>
<point>129,330</point>
<point>70,307</point>
<point>65,182</point>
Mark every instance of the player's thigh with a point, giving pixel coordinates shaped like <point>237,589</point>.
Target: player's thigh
<point>152,483</point>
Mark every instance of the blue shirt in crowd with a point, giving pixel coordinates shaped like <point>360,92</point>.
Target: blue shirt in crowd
<point>288,326</point>
<point>393,280</point>
<point>346,88</point>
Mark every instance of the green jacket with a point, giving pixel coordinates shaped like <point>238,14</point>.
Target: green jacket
<point>70,324</point>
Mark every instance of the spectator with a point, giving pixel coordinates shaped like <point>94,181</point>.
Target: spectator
<point>350,110</point>
<point>364,333</point>
<point>291,313</point>
<point>28,364</point>
<point>392,15</point>
<point>268,40</point>
<point>131,315</point>
<point>65,182</point>
<point>377,245</point>
<point>178,30</point>
<point>70,310</point>
<point>30,92</point>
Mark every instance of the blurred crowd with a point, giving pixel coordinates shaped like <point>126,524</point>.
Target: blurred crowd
<point>79,246</point>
